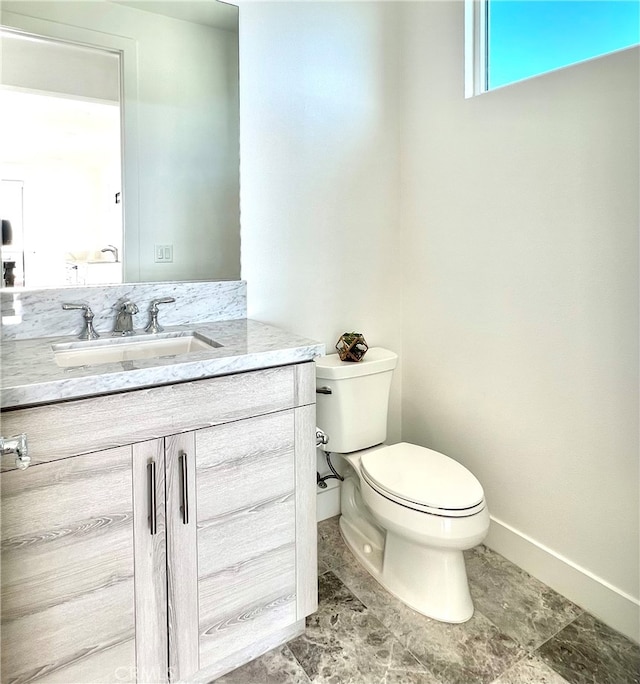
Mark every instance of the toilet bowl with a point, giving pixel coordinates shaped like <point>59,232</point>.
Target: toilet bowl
<point>418,544</point>
<point>407,512</point>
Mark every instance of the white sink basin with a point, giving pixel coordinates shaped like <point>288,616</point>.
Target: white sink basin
<point>114,349</point>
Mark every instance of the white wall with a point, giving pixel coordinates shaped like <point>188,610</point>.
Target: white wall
<point>319,203</point>
<point>520,338</point>
<point>60,68</point>
<point>492,241</point>
<point>187,142</point>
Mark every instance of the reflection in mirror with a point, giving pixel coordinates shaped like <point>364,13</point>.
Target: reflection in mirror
<point>174,192</point>
<point>60,163</point>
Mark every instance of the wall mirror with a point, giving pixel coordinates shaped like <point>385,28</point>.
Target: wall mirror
<point>120,142</point>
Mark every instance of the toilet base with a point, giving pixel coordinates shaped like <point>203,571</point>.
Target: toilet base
<point>431,581</point>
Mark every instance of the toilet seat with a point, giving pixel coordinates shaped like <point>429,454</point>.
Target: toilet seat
<point>423,480</point>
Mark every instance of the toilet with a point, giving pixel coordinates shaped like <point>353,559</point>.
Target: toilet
<point>407,512</point>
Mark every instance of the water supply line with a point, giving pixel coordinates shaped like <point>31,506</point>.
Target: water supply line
<point>321,439</point>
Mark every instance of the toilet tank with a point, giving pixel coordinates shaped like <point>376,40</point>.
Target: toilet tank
<point>353,399</point>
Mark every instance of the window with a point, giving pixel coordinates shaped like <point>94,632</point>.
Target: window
<point>510,40</point>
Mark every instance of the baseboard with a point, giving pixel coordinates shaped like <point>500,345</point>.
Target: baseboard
<point>614,607</point>
<point>328,501</point>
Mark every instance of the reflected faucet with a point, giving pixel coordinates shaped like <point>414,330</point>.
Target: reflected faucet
<point>113,249</point>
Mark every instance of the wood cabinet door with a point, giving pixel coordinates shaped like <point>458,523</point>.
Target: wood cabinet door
<point>68,611</point>
<point>83,569</point>
<point>150,551</point>
<point>232,566</point>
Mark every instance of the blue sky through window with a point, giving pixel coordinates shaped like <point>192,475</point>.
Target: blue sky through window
<point>530,37</point>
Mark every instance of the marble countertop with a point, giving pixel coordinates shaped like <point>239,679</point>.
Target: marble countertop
<point>31,376</point>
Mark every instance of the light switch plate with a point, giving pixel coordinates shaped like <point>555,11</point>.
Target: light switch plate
<point>163,254</point>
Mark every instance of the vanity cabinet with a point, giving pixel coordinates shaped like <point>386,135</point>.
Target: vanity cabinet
<point>232,561</point>
<point>177,556</point>
<point>68,571</point>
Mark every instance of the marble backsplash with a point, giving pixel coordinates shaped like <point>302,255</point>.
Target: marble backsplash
<point>28,314</point>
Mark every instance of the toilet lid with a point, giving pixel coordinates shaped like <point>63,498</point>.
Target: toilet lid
<point>420,477</point>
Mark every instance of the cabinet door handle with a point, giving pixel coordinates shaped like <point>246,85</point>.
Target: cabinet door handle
<point>153,522</point>
<point>184,508</point>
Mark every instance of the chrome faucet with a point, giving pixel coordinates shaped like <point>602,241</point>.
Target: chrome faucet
<point>88,333</point>
<point>124,319</point>
<point>113,249</point>
<point>154,326</point>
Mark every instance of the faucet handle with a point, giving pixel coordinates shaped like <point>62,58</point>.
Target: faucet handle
<point>88,333</point>
<point>160,300</point>
<point>154,326</point>
<point>74,306</point>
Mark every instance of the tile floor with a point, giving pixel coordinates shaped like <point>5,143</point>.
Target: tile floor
<point>522,632</point>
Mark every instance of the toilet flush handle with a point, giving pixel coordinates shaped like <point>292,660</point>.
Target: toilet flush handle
<point>321,437</point>
<point>324,390</point>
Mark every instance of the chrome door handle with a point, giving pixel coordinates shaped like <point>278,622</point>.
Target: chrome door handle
<point>153,521</point>
<point>16,446</point>
<point>184,508</point>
